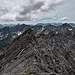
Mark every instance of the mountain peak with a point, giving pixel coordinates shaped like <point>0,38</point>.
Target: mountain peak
<point>66,25</point>
<point>36,53</point>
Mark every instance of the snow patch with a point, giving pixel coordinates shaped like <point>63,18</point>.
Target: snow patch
<point>70,29</point>
<point>19,33</point>
<point>56,32</point>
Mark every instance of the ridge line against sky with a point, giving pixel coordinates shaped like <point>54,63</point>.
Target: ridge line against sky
<point>35,11</point>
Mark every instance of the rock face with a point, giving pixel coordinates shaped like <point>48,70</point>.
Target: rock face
<point>34,53</point>
<point>7,34</point>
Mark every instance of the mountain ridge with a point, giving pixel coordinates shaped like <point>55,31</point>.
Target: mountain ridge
<point>40,54</point>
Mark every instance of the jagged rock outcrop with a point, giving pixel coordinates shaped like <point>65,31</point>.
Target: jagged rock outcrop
<point>41,54</point>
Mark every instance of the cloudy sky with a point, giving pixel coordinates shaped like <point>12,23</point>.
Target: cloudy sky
<point>35,11</point>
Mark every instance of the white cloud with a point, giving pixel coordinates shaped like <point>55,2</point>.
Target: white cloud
<point>8,17</point>
<point>39,7</point>
<point>63,18</point>
<point>50,4</point>
<point>25,10</point>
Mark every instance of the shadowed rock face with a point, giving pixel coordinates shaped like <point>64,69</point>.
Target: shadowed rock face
<point>2,56</point>
<point>41,54</point>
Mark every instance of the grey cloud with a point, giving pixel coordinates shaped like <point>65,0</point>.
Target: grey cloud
<point>47,5</point>
<point>23,18</point>
<point>8,20</point>
<point>24,7</point>
<point>29,8</point>
<point>3,10</point>
<point>51,6</point>
<point>25,10</point>
<point>38,5</point>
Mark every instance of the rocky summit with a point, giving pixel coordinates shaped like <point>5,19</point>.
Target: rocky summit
<point>40,50</point>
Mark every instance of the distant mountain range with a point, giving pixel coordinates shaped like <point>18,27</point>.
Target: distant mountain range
<point>38,50</point>
<point>8,33</point>
<point>7,25</point>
